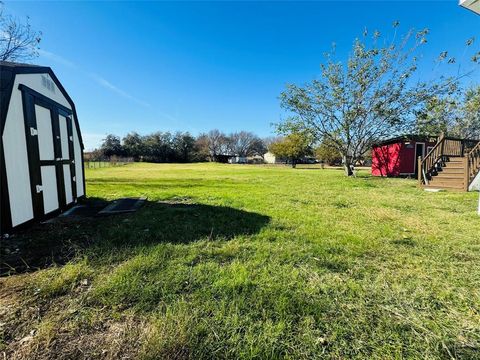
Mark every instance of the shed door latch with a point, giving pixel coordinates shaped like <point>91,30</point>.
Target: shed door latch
<point>39,188</point>
<point>33,131</point>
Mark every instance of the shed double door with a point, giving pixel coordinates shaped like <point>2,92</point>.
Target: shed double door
<point>49,136</point>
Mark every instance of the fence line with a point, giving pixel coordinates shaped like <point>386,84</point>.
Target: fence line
<point>103,163</point>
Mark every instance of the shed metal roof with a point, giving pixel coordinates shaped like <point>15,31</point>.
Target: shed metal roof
<point>406,137</point>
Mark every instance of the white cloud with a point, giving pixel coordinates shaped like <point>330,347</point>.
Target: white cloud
<point>108,85</point>
<point>97,78</point>
<point>57,58</point>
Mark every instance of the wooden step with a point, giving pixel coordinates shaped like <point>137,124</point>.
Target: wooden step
<point>450,188</point>
<point>454,163</point>
<point>446,184</point>
<point>455,158</point>
<point>446,178</point>
<point>449,177</point>
<point>454,166</point>
<point>452,170</point>
<point>437,179</point>
<point>442,174</point>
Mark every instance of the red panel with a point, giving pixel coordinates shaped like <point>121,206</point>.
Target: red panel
<point>386,160</point>
<point>407,156</point>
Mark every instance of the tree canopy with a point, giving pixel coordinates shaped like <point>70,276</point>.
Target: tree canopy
<point>374,94</point>
<point>245,143</point>
<point>292,147</point>
<point>327,153</point>
<point>456,115</point>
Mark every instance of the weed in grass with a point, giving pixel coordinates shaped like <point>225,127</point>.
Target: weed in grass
<point>60,280</point>
<point>406,241</point>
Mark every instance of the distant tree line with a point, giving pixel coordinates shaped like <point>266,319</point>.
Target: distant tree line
<point>182,147</point>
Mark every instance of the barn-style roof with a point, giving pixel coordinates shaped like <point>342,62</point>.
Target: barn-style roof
<point>14,64</point>
<point>8,70</point>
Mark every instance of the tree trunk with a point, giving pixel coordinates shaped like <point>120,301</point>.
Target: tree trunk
<point>294,163</point>
<point>347,166</point>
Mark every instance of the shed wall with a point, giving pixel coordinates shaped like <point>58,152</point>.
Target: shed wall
<point>396,159</point>
<point>15,147</point>
<point>16,162</point>
<point>386,160</point>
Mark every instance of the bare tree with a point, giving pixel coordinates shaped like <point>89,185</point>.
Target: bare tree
<point>245,143</point>
<point>259,147</point>
<point>271,140</point>
<point>18,41</point>
<point>214,142</point>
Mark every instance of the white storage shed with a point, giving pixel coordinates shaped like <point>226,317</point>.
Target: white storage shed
<point>41,149</point>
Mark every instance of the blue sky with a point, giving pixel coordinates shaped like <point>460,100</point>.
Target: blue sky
<point>160,66</point>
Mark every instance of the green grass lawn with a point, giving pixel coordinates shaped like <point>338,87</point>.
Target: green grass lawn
<point>232,261</point>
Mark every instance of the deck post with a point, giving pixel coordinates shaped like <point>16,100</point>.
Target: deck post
<point>442,148</point>
<point>466,174</point>
<point>419,170</point>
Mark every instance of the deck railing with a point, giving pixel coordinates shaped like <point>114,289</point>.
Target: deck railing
<point>473,162</point>
<point>428,164</point>
<point>449,147</point>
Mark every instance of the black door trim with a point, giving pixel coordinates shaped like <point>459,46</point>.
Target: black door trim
<point>45,99</point>
<point>30,99</point>
<point>71,151</point>
<point>33,154</point>
<point>57,148</point>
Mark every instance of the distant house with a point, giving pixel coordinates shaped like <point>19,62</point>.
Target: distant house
<point>255,159</point>
<point>271,158</point>
<point>398,156</point>
<point>221,158</point>
<point>473,5</point>
<point>238,160</point>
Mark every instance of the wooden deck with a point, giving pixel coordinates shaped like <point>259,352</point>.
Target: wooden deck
<point>452,164</point>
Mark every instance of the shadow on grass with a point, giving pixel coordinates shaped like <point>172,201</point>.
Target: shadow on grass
<point>156,222</point>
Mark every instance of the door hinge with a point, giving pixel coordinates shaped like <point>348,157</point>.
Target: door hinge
<point>71,138</point>
<point>39,188</point>
<point>74,179</point>
<point>33,131</point>
<point>73,161</point>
